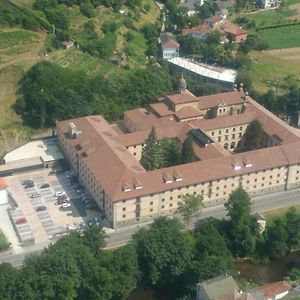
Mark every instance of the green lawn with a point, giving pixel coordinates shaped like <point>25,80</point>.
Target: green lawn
<point>16,38</point>
<point>267,67</point>
<point>282,37</point>
<point>278,212</point>
<point>272,17</point>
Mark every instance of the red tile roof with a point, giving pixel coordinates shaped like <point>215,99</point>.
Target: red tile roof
<point>228,98</point>
<point>201,30</point>
<point>161,109</point>
<point>104,154</point>
<point>179,98</point>
<point>188,112</point>
<point>233,29</point>
<point>273,289</point>
<point>170,44</point>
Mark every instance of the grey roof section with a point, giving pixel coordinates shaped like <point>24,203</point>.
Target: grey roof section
<point>224,4</point>
<point>295,292</point>
<point>190,4</point>
<point>218,286</point>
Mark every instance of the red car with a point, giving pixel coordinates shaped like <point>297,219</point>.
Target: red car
<point>22,220</point>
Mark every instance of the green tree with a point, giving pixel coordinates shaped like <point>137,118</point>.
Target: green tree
<point>276,239</point>
<point>170,151</point>
<point>164,251</point>
<point>292,226</point>
<point>189,207</point>
<point>243,228</point>
<point>152,155</point>
<point>209,242</point>
<point>123,266</point>
<point>93,237</point>
<point>253,135</point>
<point>187,152</point>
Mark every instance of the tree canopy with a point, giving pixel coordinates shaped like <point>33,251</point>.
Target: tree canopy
<point>189,207</point>
<point>152,154</point>
<point>253,135</point>
<point>52,93</point>
<point>164,251</point>
<point>242,225</point>
<point>187,152</point>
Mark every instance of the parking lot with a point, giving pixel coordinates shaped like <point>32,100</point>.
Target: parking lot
<point>44,216</point>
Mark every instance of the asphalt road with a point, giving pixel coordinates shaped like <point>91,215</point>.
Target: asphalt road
<point>123,235</point>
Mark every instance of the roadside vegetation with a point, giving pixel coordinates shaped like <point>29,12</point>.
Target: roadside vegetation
<point>4,245</point>
<point>161,257</point>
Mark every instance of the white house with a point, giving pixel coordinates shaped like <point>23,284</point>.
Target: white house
<point>3,192</point>
<point>269,3</point>
<point>169,46</point>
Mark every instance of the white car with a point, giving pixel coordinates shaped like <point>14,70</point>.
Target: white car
<point>65,205</point>
<point>57,194</point>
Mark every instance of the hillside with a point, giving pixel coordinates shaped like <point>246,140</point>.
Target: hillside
<point>26,38</point>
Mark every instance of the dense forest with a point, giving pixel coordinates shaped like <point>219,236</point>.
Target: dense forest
<point>53,93</point>
<point>162,256</point>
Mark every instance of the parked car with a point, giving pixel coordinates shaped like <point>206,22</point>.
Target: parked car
<point>65,205</point>
<point>41,208</point>
<point>60,202</point>
<point>44,186</point>
<point>20,221</point>
<point>35,195</point>
<point>62,197</point>
<point>29,185</point>
<point>57,194</point>
<point>27,181</point>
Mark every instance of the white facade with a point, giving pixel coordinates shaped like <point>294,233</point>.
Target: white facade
<point>169,53</point>
<point>3,197</point>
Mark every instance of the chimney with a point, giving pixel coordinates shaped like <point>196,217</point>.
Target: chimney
<point>241,89</point>
<point>72,129</point>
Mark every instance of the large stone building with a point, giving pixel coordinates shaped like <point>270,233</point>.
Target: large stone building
<point>106,157</point>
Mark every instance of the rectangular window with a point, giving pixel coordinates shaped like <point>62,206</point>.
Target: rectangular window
<point>124,208</point>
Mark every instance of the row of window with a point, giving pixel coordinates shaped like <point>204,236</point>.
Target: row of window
<point>227,130</point>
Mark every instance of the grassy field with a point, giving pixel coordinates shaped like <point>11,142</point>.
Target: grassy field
<point>279,212</point>
<point>282,37</point>
<point>272,65</point>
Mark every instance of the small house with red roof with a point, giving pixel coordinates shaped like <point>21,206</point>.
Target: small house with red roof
<point>275,290</point>
<point>3,192</point>
<point>234,32</point>
<point>68,44</point>
<point>199,32</point>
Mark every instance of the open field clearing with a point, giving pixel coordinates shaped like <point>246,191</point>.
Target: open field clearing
<point>272,65</point>
<point>282,37</point>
